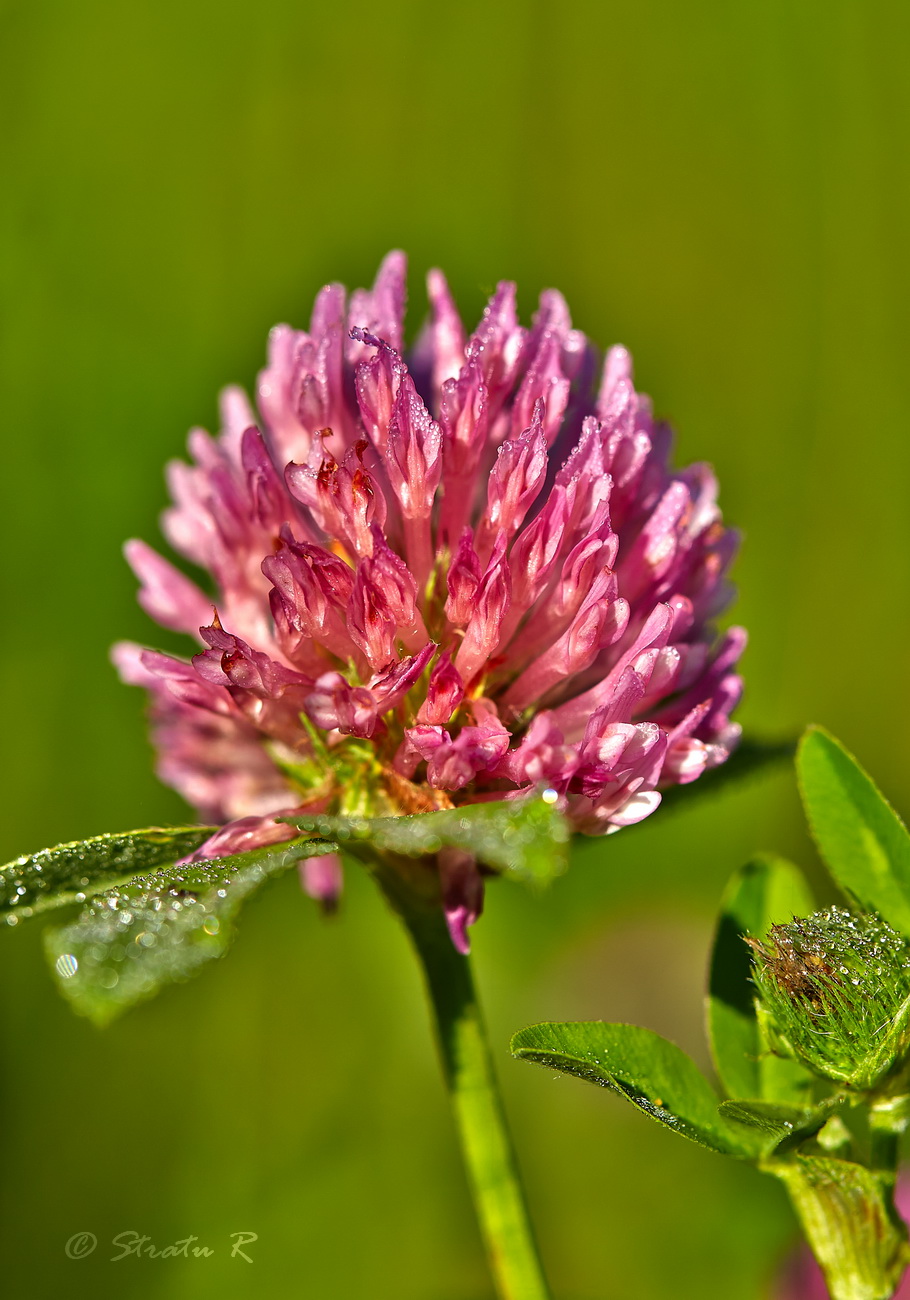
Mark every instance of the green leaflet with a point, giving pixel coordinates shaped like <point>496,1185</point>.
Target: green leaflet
<point>860,836</point>
<point>67,873</point>
<point>652,1073</point>
<point>782,1127</point>
<point>769,1117</point>
<point>764,892</point>
<point>160,927</point>
<point>524,838</point>
<point>148,923</point>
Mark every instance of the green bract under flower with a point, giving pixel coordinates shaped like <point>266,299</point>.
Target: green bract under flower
<point>834,991</point>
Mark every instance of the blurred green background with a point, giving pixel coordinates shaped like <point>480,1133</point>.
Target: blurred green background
<point>722,187</point>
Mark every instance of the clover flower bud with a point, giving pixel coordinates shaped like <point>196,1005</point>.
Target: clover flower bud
<point>834,991</point>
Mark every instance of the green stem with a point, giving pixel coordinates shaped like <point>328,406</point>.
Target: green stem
<point>887,1121</point>
<point>485,1143</point>
<point>847,1213</point>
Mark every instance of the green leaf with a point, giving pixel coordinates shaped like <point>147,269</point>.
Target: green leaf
<point>785,1127</point>
<point>782,1128</point>
<point>768,1117</point>
<point>525,838</point>
<point>765,892</point>
<point>652,1073</point>
<point>751,758</point>
<point>860,836</point>
<point>66,874</point>
<point>130,941</point>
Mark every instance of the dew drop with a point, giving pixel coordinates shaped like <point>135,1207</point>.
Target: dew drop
<point>66,965</point>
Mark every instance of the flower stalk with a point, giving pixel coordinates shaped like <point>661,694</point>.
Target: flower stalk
<point>486,1145</point>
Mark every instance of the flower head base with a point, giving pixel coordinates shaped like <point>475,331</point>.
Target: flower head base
<point>835,991</point>
<point>438,581</point>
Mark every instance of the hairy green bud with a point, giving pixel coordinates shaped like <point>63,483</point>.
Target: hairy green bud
<point>834,991</point>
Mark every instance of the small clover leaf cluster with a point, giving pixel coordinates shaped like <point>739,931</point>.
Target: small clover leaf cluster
<point>809,1022</point>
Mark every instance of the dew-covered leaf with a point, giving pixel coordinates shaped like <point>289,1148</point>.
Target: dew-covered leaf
<point>765,892</point>
<point>524,838</point>
<point>159,927</point>
<point>652,1073</point>
<point>69,872</point>
<point>861,838</point>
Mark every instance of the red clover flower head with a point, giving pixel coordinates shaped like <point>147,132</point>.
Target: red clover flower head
<point>437,580</point>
